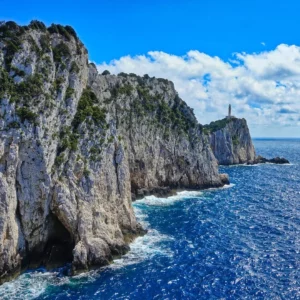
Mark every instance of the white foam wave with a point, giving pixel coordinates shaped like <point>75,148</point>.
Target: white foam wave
<point>156,201</point>
<point>182,195</point>
<point>226,186</point>
<point>34,284</point>
<point>30,285</point>
<point>257,165</point>
<point>143,248</point>
<point>141,216</point>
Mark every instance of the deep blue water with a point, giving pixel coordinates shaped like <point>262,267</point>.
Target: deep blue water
<point>239,242</point>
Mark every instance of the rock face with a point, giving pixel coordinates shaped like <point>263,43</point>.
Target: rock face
<point>74,147</point>
<point>165,144</point>
<point>276,160</point>
<point>231,142</point>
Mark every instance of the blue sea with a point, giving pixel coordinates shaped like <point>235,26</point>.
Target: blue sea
<point>238,242</point>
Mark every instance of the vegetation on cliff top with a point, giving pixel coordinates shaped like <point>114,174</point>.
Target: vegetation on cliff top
<point>175,114</point>
<point>216,125</point>
<point>12,35</point>
<point>29,90</point>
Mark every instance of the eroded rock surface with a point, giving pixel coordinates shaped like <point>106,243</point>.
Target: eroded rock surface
<point>231,142</point>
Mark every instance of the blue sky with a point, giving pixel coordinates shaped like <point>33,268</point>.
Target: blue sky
<point>114,30</point>
<point>111,29</point>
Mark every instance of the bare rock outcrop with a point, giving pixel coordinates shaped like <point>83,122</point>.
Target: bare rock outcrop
<point>231,141</point>
<point>276,160</point>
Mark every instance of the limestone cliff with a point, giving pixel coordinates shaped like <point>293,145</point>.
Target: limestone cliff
<point>75,145</point>
<point>165,144</point>
<point>231,141</point>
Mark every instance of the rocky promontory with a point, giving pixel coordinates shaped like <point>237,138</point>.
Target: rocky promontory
<point>231,143</point>
<point>75,145</point>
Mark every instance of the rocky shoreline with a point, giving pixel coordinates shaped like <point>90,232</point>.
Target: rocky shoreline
<point>162,192</point>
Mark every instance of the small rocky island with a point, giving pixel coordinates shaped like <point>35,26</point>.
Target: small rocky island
<point>231,142</point>
<point>77,146</point>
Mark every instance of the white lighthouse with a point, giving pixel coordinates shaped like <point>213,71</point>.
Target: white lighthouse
<point>229,112</point>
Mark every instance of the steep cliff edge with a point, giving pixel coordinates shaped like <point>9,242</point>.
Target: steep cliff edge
<point>231,141</point>
<point>75,145</point>
<point>165,144</point>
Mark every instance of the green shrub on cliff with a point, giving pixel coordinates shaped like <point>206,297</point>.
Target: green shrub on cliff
<point>68,140</point>
<point>122,74</point>
<point>26,91</point>
<point>24,113</point>
<point>17,72</point>
<point>29,89</point>
<point>10,34</point>
<point>216,125</point>
<point>74,68</point>
<point>66,31</point>
<point>6,83</point>
<point>12,47</point>
<point>235,140</point>
<point>125,89</point>
<point>45,42</point>
<point>88,106</point>
<point>61,51</point>
<point>69,93</point>
<point>59,159</point>
<point>37,25</point>
<point>71,31</point>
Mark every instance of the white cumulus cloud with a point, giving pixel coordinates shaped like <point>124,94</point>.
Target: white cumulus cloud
<point>262,87</point>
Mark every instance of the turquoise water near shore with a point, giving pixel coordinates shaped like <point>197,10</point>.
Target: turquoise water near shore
<point>238,242</point>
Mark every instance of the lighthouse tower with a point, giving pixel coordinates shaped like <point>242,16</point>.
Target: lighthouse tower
<point>229,112</point>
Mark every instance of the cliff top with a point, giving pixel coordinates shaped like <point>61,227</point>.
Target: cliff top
<point>218,125</point>
<point>11,29</point>
<point>22,81</point>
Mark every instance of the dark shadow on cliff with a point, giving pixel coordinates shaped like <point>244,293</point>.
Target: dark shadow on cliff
<point>56,252</point>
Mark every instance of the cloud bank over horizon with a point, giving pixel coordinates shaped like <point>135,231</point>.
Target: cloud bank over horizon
<point>262,87</point>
